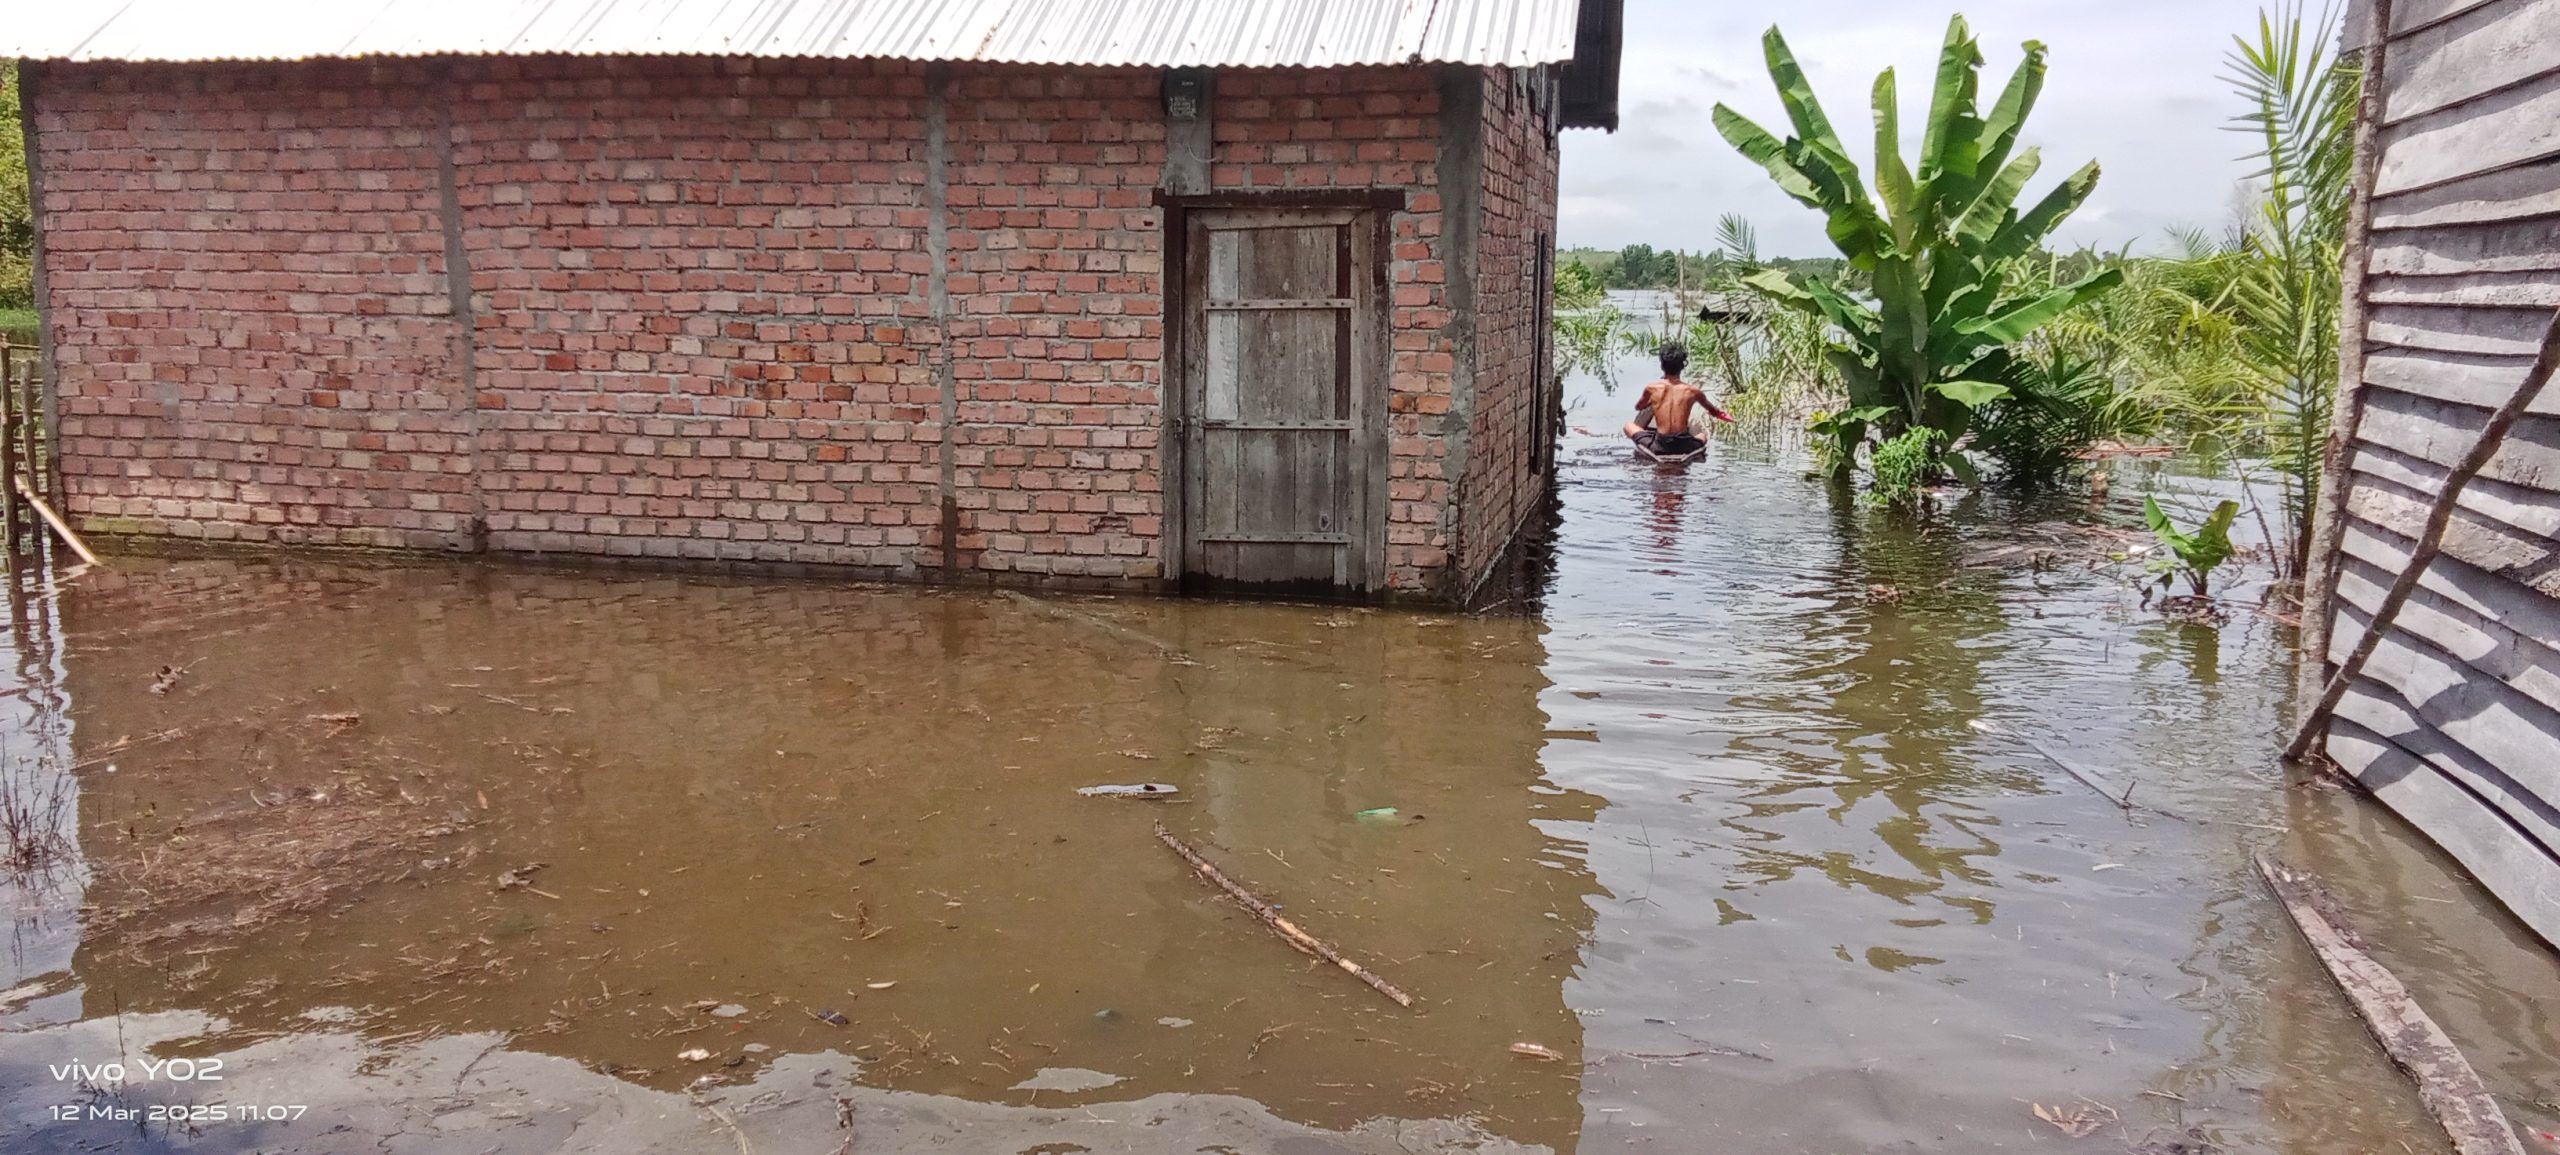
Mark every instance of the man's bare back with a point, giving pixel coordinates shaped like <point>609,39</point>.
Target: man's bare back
<point>1672,401</point>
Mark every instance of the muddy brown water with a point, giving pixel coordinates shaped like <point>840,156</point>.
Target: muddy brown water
<point>1748,813</point>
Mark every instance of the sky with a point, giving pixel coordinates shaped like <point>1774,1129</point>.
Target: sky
<point>2133,84</point>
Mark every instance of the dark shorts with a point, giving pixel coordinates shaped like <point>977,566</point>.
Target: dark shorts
<point>1668,444</point>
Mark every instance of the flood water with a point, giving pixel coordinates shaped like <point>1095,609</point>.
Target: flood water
<point>1749,816</point>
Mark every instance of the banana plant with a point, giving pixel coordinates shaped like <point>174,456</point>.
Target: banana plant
<point>1939,243</point>
<point>2191,555</point>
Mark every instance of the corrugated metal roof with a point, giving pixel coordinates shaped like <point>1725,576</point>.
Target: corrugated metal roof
<point>1153,33</point>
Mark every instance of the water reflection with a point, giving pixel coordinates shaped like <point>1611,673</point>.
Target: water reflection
<point>1893,635</point>
<point>621,817</point>
<point>37,786</point>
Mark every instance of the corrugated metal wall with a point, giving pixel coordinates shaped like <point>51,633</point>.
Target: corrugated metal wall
<point>2455,722</point>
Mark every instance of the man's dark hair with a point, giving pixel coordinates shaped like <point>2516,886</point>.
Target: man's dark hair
<point>1675,357</point>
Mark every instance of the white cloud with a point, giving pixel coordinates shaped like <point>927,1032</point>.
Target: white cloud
<point>2134,86</point>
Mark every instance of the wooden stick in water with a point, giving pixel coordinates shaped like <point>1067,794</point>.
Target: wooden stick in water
<point>2448,1086</point>
<point>55,520</point>
<point>1280,926</point>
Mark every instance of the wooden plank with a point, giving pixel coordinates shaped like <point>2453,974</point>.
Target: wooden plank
<point>1280,426</point>
<point>2509,865</point>
<point>1253,219</point>
<point>2410,16</point>
<point>2496,597</point>
<point>1181,479</point>
<point>1226,255</point>
<point>2518,290</point>
<point>1222,368</point>
<point>2457,583</point>
<point>1277,264</point>
<point>2526,190</point>
<point>1263,485</point>
<point>2501,332</point>
<point>2467,542</point>
<point>2480,51</point>
<point>2447,1084</point>
<point>2498,246</point>
<point>2487,544</point>
<point>2506,128</point>
<point>2468,379</point>
<point>1282,537</point>
<point>1315,506</point>
<point>1221,472</point>
<point>2489,649</point>
<point>2522,508</point>
<point>1366,461</point>
<point>1250,562</point>
<point>2524,809</point>
<point>12,514</point>
<point>1287,366</point>
<point>1284,303</point>
<point>2441,432</point>
<point>2368,33</point>
<point>2493,722</point>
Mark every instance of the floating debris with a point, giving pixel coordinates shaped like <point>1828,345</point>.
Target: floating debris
<point>1130,790</point>
<point>1069,1079</point>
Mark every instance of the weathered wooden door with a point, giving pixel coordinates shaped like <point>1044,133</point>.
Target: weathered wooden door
<point>1283,429</point>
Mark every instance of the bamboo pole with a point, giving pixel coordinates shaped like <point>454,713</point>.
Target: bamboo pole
<point>1283,927</point>
<point>2319,576</point>
<point>55,520</point>
<point>2430,540</point>
<point>2447,1084</point>
<point>12,518</point>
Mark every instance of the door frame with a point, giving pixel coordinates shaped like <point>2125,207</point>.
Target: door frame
<point>1372,340</point>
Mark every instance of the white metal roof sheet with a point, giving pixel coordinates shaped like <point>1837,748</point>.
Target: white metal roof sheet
<point>1153,33</point>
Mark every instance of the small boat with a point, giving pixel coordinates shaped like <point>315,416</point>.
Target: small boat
<point>1672,458</point>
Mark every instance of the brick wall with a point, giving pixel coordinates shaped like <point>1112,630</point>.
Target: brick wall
<point>1058,320</point>
<point>1502,480</point>
<point>698,287</point>
<point>248,304</point>
<point>700,318</point>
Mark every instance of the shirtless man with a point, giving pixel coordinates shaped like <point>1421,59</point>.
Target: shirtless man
<point>1661,426</point>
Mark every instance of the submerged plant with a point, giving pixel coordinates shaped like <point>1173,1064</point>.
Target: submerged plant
<point>1939,244</point>
<point>35,816</point>
<point>1903,465</point>
<point>2056,409</point>
<point>1588,339</point>
<point>1837,437</point>
<point>2195,554</point>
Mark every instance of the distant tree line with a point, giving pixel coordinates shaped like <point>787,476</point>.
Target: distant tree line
<point>1646,267</point>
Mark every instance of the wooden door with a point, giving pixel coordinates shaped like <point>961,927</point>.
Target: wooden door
<point>1283,427</point>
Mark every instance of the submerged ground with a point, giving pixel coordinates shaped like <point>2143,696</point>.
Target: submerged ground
<point>1751,813</point>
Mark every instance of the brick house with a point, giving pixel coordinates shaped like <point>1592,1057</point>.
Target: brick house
<point>1123,293</point>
